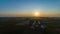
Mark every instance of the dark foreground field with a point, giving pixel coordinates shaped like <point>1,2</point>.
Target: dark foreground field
<point>17,25</point>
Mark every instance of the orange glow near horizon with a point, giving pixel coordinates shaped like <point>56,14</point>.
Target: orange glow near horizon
<point>36,14</point>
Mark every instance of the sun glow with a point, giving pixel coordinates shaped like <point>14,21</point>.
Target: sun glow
<point>36,14</point>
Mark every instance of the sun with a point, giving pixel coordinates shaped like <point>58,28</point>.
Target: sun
<point>36,14</point>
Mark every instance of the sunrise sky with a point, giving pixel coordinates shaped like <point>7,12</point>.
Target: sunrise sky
<point>18,8</point>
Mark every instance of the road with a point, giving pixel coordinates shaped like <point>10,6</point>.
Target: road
<point>34,27</point>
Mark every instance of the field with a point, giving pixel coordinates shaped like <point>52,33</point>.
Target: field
<point>17,25</point>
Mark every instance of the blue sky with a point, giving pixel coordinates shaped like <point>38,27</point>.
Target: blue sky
<point>27,6</point>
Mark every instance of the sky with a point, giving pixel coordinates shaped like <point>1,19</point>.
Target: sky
<point>18,8</point>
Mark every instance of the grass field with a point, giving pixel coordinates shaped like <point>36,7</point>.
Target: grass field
<point>17,25</point>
